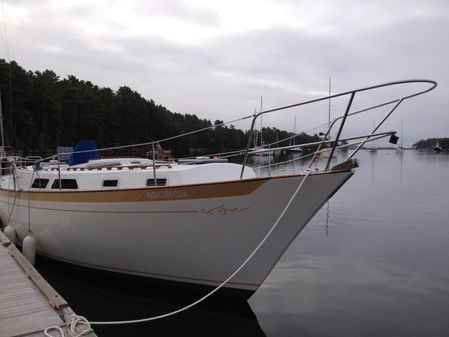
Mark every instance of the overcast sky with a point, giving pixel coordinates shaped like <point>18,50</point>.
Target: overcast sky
<point>216,58</point>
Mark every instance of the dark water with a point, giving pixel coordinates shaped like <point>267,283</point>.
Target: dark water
<point>374,262</point>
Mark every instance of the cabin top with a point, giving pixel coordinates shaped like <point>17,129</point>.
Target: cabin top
<point>121,173</point>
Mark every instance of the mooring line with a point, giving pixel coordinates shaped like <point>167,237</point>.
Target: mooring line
<point>75,320</point>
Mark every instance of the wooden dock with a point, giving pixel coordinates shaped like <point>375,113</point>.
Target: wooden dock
<point>28,304</point>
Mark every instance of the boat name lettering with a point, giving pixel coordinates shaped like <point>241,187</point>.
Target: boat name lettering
<point>169,194</point>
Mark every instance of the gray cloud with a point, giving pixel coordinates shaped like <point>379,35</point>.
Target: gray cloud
<point>178,9</point>
<point>222,76</point>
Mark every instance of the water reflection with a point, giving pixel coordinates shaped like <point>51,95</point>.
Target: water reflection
<point>373,162</point>
<point>326,223</point>
<point>101,296</point>
<point>384,270</point>
<point>400,154</point>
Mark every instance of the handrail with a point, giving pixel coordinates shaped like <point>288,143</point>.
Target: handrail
<point>352,94</point>
<point>348,107</point>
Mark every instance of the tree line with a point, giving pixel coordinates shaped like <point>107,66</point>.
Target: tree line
<point>430,143</point>
<point>42,111</point>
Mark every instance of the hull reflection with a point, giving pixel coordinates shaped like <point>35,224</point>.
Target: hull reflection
<point>106,296</point>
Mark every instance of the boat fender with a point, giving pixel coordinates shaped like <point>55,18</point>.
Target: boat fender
<point>10,233</point>
<point>29,248</point>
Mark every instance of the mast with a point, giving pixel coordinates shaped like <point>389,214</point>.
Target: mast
<point>256,136</point>
<point>329,104</point>
<point>402,134</point>
<point>294,132</point>
<point>261,104</point>
<point>2,152</point>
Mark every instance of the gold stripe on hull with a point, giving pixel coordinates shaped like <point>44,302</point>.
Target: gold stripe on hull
<point>149,194</point>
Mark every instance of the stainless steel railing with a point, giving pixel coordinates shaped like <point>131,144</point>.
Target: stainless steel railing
<point>346,114</point>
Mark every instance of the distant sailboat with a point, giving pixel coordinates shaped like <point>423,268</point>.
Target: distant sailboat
<point>293,140</point>
<point>400,149</point>
<point>372,148</point>
<point>260,150</point>
<point>437,148</point>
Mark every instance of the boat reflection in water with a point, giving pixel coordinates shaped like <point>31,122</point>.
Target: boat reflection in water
<point>106,296</point>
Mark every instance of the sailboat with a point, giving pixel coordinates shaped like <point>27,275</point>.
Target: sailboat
<point>437,148</point>
<point>204,224</point>
<point>259,148</point>
<point>373,149</point>
<point>292,144</point>
<point>400,149</point>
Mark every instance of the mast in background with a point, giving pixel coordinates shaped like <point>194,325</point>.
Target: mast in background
<point>261,107</point>
<point>329,106</point>
<point>2,150</point>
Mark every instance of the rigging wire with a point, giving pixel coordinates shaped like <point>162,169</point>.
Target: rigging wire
<point>212,127</point>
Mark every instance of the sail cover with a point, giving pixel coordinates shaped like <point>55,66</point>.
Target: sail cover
<point>83,152</point>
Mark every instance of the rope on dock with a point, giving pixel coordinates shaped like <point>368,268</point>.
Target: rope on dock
<point>72,324</point>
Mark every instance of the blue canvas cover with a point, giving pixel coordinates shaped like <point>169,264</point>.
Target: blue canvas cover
<point>84,157</point>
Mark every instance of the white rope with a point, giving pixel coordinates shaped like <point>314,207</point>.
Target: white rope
<point>74,323</point>
<point>225,281</point>
<point>48,334</point>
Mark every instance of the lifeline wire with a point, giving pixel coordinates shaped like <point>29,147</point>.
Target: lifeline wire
<point>154,141</point>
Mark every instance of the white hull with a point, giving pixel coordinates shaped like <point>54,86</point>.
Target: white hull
<point>193,222</point>
<point>189,233</point>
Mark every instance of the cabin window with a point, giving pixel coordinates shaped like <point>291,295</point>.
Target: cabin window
<point>66,184</point>
<point>39,183</point>
<point>159,182</point>
<point>110,183</point>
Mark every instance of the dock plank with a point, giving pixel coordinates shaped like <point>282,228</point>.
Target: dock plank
<point>28,304</point>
